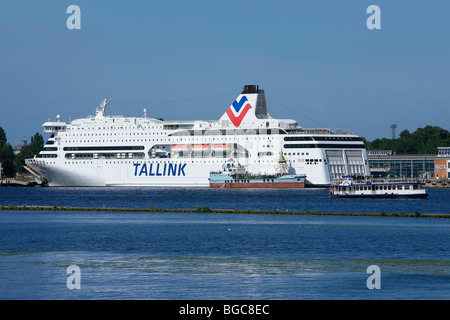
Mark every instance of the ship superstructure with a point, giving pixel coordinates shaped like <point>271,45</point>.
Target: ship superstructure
<point>104,150</point>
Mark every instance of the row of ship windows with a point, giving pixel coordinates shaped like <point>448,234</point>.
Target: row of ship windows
<point>325,138</point>
<point>298,153</point>
<point>385,187</point>
<point>180,133</point>
<point>219,132</point>
<point>81,156</point>
<point>149,140</point>
<point>118,134</point>
<point>225,132</point>
<point>79,160</point>
<point>157,133</point>
<point>288,146</point>
<point>181,162</point>
<point>328,146</point>
<point>191,161</point>
<point>315,161</point>
<point>139,155</point>
<point>126,140</point>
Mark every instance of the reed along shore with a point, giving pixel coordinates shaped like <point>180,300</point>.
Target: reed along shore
<point>206,209</point>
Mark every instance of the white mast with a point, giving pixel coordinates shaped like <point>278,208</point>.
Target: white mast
<point>101,112</point>
<point>282,166</point>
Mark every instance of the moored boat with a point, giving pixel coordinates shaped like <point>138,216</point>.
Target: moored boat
<point>235,176</point>
<point>359,187</point>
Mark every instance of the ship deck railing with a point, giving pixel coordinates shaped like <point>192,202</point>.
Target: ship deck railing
<point>379,180</point>
<point>316,131</point>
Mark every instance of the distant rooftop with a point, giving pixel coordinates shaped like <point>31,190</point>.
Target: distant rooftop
<point>443,151</point>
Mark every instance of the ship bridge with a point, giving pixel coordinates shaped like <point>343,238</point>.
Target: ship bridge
<point>52,127</point>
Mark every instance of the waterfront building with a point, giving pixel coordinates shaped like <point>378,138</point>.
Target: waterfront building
<point>419,166</point>
<point>442,164</point>
<point>444,151</point>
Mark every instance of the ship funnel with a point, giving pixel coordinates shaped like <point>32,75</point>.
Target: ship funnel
<point>248,110</point>
<point>261,107</point>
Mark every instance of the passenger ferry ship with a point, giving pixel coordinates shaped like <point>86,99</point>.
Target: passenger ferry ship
<point>104,150</point>
<point>361,187</point>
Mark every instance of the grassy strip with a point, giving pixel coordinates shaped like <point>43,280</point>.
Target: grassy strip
<point>206,209</point>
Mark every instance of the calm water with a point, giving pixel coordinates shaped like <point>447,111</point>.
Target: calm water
<point>290,199</point>
<point>220,256</point>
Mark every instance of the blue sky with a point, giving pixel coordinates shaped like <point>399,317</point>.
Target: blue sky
<point>317,61</point>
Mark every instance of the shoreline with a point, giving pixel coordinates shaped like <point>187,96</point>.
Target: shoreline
<point>222,211</point>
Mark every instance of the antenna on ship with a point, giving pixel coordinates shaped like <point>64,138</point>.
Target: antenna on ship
<point>145,113</point>
<point>101,112</point>
<point>393,127</point>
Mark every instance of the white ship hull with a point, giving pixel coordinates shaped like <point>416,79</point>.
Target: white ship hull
<point>102,173</point>
<point>119,151</point>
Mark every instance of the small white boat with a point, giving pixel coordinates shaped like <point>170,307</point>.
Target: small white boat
<point>359,187</point>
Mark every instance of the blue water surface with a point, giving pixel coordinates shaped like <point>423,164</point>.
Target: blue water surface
<point>312,199</point>
<point>137,255</point>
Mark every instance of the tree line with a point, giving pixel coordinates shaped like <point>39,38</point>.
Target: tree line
<point>13,163</point>
<point>422,141</point>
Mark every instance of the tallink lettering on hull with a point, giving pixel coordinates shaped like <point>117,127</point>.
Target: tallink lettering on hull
<point>159,169</point>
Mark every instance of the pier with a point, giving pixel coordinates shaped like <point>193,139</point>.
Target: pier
<point>17,183</point>
<point>436,184</point>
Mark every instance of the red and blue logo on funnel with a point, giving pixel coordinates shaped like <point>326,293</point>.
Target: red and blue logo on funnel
<point>240,112</point>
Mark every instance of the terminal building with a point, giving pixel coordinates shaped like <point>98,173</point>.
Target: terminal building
<point>385,163</point>
<point>442,164</point>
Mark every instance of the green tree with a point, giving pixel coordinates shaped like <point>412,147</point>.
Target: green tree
<point>29,151</point>
<point>37,143</point>
<point>2,136</point>
<point>6,155</point>
<point>19,160</point>
<point>381,144</point>
<point>422,141</point>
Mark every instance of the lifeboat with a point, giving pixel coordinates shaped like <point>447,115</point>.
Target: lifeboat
<point>222,147</point>
<point>180,147</point>
<point>200,147</point>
